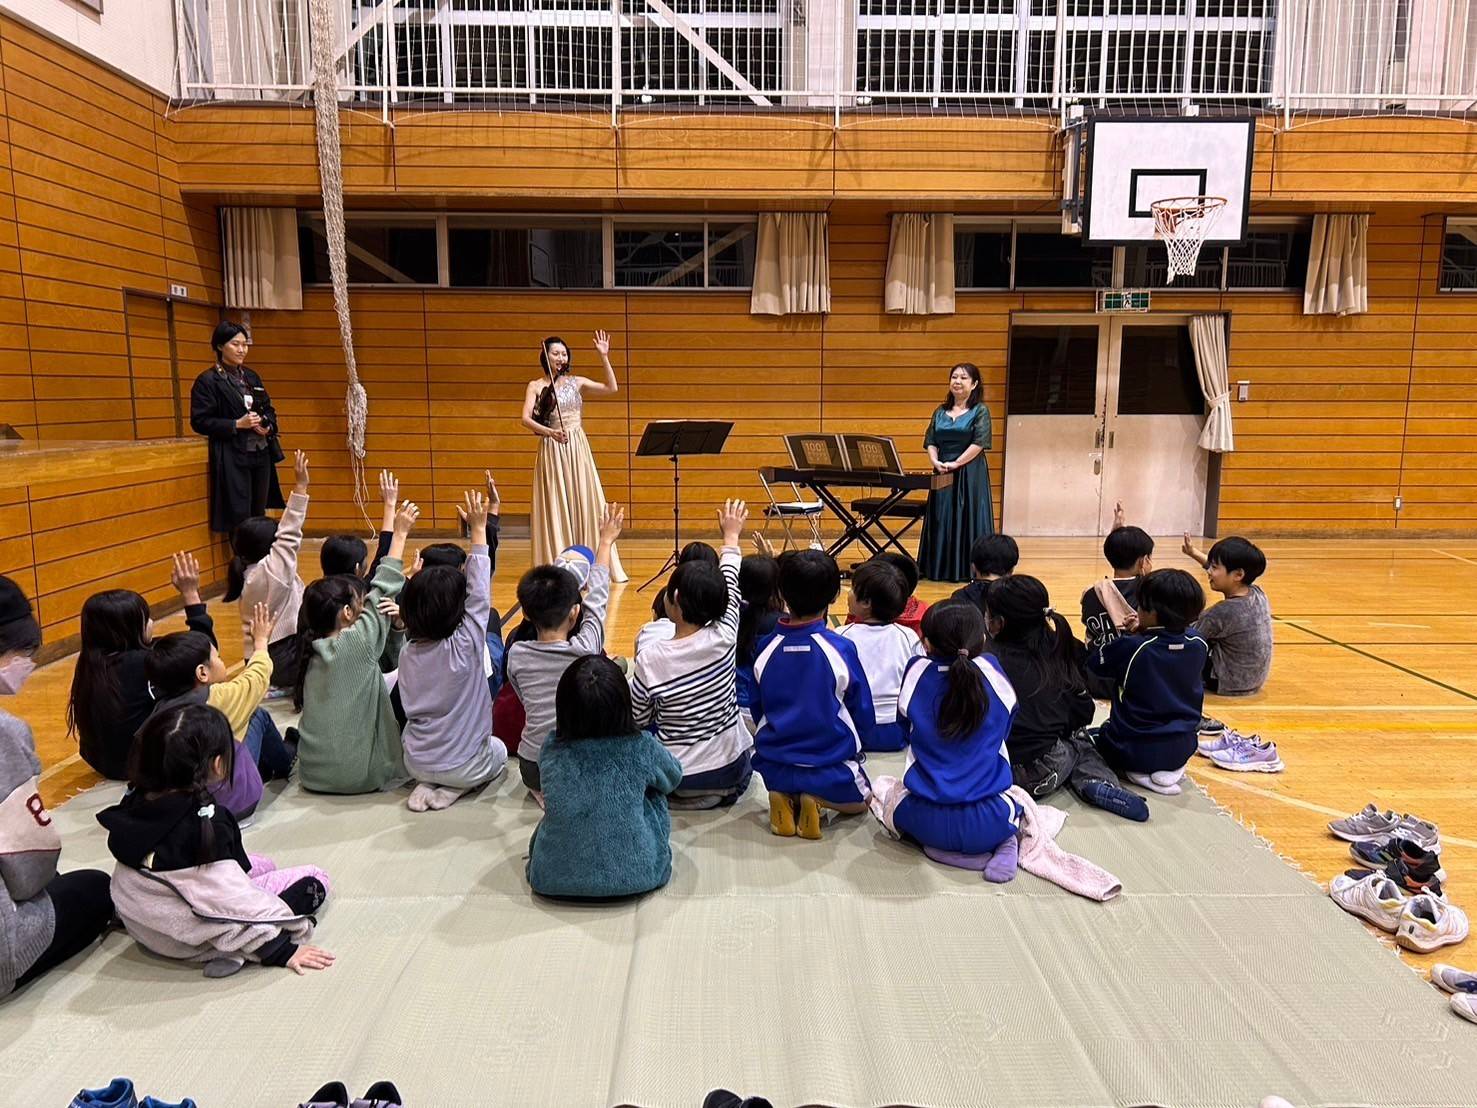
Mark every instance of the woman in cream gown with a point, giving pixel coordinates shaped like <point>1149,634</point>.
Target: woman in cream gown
<point>567,497</point>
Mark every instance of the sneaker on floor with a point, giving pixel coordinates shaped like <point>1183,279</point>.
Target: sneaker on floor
<point>1248,754</point>
<point>1110,798</point>
<point>155,1102</point>
<point>1365,825</point>
<point>1373,897</point>
<point>1165,783</point>
<point>1453,980</point>
<point>1210,744</point>
<point>1403,861</point>
<point>1465,1005</point>
<point>332,1095</point>
<point>1210,726</point>
<point>118,1094</point>
<point>382,1094</point>
<point>1428,924</point>
<point>1275,1102</point>
<point>1422,832</point>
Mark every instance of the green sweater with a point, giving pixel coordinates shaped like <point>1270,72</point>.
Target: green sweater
<point>348,739</point>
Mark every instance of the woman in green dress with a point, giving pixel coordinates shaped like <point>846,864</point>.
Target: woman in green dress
<point>958,436</point>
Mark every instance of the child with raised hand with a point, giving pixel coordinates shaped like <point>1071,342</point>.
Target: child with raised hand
<point>1048,744</point>
<point>110,697</point>
<point>684,687</point>
<point>811,704</point>
<point>1108,606</point>
<point>1151,732</point>
<point>885,646</point>
<point>184,886</point>
<point>348,739</point>
<point>449,745</point>
<point>566,627</point>
<point>348,554</point>
<point>660,628</point>
<point>606,830</point>
<point>1239,627</point>
<point>186,668</point>
<point>955,708</point>
<point>264,571</point>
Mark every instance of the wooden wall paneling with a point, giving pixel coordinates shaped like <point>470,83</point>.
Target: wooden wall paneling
<point>1362,159</point>
<point>151,372</point>
<point>17,398</point>
<point>494,153</point>
<point>753,155</point>
<point>937,156</point>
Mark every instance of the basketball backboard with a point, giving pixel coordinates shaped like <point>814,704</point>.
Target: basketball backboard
<point>1131,163</point>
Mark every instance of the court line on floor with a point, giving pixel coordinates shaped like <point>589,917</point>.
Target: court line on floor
<point>69,760</point>
<point>1307,805</point>
<point>1458,557</point>
<point>1355,707</point>
<point>1383,661</point>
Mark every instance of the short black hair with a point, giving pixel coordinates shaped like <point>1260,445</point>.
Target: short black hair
<point>809,581</point>
<point>593,701</point>
<point>251,541</point>
<point>342,554</point>
<point>1173,596</point>
<point>1233,552</point>
<point>19,630</point>
<point>994,555</point>
<point>903,564</point>
<point>546,594</point>
<point>433,602</point>
<point>883,587</point>
<point>698,552</point>
<point>698,589</point>
<point>443,554</point>
<point>172,660</point>
<point>1124,546</point>
<point>225,331</point>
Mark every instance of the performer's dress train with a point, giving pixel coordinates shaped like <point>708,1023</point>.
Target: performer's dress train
<point>567,497</point>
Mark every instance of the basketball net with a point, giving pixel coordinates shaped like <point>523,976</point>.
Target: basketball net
<point>1184,223</point>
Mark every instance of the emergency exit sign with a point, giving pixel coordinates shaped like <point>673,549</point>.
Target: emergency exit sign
<point>1123,300</point>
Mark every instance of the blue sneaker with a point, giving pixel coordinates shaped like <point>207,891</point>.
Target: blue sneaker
<point>118,1094</point>
<point>155,1102</point>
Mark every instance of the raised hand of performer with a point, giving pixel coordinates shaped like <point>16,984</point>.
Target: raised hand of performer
<point>608,385</point>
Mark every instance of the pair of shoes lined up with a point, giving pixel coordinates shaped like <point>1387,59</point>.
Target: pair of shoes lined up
<point>1229,749</point>
<point>1461,985</point>
<point>119,1093</point>
<point>382,1094</point>
<point>1422,923</point>
<point>1404,848</point>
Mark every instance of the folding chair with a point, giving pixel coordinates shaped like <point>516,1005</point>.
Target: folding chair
<point>788,511</point>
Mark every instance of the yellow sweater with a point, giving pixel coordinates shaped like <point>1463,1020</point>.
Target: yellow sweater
<point>242,695</point>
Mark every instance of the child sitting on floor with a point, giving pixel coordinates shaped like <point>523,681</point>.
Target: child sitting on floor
<point>184,886</point>
<point>186,668</point>
<point>990,558</point>
<point>812,705</point>
<point>1048,743</point>
<point>683,689</point>
<point>1152,730</point>
<point>264,571</point>
<point>348,739</point>
<point>1239,628</point>
<point>661,628</point>
<point>566,628</point>
<point>955,709</point>
<point>1108,605</point>
<point>759,611</point>
<point>885,646</point>
<point>110,697</point>
<point>448,739</point>
<point>605,831</point>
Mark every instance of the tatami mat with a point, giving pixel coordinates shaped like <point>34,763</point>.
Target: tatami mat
<point>845,972</point>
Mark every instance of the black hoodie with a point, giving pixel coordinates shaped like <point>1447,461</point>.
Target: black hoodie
<point>973,593</point>
<point>166,833</point>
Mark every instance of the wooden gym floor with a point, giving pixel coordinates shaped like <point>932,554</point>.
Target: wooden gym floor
<point>1373,695</point>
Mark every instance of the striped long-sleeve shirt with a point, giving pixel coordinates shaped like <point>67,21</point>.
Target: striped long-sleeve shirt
<point>684,689</point>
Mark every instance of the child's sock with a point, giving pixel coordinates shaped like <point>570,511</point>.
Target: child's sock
<point>1111,798</point>
<point>1148,781</point>
<point>420,797</point>
<point>782,814</point>
<point>305,896</point>
<point>443,797</point>
<point>809,825</point>
<point>1002,864</point>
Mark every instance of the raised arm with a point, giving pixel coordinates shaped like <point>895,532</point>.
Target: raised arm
<point>608,385</point>
<point>731,519</point>
<point>281,561</point>
<point>589,636</point>
<point>1191,551</point>
<point>185,576</point>
<point>479,565</point>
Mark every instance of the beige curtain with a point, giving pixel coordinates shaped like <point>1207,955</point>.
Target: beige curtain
<point>1208,336</point>
<point>1338,266</point>
<point>920,264</point>
<point>792,270</point>
<point>261,258</point>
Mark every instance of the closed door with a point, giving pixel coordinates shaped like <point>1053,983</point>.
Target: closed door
<point>1102,410</point>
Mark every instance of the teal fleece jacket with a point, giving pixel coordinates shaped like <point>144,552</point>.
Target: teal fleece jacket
<point>606,830</point>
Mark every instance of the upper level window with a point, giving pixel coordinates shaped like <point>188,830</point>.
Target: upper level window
<point>702,254</point>
<point>1047,259</point>
<point>549,255</point>
<point>1459,256</point>
<point>382,250</point>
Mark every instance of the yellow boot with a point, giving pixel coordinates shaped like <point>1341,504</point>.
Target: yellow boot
<point>782,814</point>
<point>810,817</point>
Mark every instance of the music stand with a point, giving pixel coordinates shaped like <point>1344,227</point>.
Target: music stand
<point>675,439</point>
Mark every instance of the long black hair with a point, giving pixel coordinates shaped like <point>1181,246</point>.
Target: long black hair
<point>759,589</point>
<point>113,622</point>
<point>956,635</point>
<point>543,408</point>
<point>175,752</point>
<point>975,394</point>
<point>593,700</point>
<point>252,541</point>
<point>1033,630</point>
<point>317,618</point>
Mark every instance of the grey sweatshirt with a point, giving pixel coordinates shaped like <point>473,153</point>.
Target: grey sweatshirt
<point>29,847</point>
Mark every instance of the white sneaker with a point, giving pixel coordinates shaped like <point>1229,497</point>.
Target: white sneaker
<point>1453,980</point>
<point>1275,1102</point>
<point>1373,897</point>
<point>1428,923</point>
<point>1465,1005</point>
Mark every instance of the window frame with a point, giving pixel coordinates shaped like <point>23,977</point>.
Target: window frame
<point>314,218</point>
<point>496,221</point>
<point>1446,222</point>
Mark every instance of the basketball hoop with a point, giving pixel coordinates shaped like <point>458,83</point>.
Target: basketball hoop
<point>1184,223</point>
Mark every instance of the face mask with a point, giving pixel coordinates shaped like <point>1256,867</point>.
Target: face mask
<point>13,674</point>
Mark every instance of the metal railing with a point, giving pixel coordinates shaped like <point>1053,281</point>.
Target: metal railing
<point>983,56</point>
